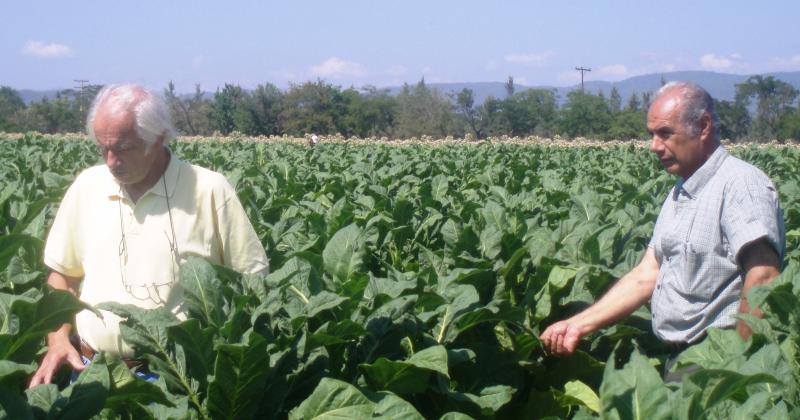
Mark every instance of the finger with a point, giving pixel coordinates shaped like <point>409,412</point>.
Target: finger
<point>76,362</point>
<point>559,345</point>
<point>35,380</point>
<point>573,338</point>
<point>545,338</point>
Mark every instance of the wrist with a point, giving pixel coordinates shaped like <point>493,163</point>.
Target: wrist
<point>59,336</point>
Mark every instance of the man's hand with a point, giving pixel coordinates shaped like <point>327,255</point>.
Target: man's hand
<point>59,352</point>
<point>562,338</point>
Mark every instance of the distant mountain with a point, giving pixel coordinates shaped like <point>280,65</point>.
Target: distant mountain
<point>721,86</point>
<point>29,95</point>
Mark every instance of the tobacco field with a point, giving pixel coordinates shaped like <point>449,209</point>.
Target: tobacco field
<point>405,283</point>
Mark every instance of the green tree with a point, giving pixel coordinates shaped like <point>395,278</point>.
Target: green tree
<point>510,88</point>
<point>59,115</point>
<point>733,118</point>
<point>473,116</point>
<point>789,126</point>
<point>634,104</point>
<point>265,105</point>
<point>496,121</point>
<point>646,101</point>
<point>532,111</point>
<point>373,112</point>
<point>314,107</point>
<point>585,115</point>
<point>10,105</point>
<point>225,107</point>
<point>423,111</point>
<point>615,100</point>
<point>773,99</point>
<point>181,115</point>
<point>627,125</point>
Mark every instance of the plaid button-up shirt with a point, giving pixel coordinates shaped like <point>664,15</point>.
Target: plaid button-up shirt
<point>704,223</point>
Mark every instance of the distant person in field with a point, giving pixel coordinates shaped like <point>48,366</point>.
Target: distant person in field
<point>123,228</point>
<point>719,233</point>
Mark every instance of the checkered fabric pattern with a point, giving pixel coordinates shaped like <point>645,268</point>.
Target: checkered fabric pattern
<point>703,225</point>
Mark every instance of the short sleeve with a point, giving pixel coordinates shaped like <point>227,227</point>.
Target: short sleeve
<point>659,226</point>
<point>242,251</point>
<point>751,211</point>
<point>63,251</point>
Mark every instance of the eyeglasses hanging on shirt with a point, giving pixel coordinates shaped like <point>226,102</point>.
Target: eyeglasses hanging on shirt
<point>148,291</point>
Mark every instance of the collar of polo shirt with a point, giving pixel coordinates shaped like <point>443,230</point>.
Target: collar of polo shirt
<point>692,186</point>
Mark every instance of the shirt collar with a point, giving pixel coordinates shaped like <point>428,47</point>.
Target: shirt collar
<point>115,191</point>
<point>695,183</point>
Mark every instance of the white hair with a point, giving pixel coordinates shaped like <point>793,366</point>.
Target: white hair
<point>151,114</point>
<point>697,102</point>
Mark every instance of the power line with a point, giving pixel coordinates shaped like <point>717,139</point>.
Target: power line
<point>582,70</point>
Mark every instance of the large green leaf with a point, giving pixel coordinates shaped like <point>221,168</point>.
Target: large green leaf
<point>202,291</point>
<point>27,321</point>
<point>344,253</point>
<point>334,399</point>
<point>410,376</point>
<point>634,392</point>
<point>239,378</point>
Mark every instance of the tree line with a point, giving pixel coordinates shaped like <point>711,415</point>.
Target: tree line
<point>763,109</point>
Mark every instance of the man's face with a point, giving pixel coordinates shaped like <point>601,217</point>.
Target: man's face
<point>680,153</point>
<point>124,152</point>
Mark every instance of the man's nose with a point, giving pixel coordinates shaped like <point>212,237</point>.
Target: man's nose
<point>112,160</point>
<point>656,145</point>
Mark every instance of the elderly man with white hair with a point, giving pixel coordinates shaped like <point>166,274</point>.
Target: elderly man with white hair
<point>719,233</point>
<point>123,228</point>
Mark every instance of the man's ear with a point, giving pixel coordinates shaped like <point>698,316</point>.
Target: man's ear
<point>160,139</point>
<point>706,127</point>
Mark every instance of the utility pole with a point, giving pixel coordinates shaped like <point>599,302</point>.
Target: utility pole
<point>582,70</point>
<point>81,89</point>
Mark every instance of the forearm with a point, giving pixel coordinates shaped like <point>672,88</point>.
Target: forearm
<point>628,294</point>
<point>761,267</point>
<point>59,281</point>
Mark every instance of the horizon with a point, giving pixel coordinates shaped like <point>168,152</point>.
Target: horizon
<point>361,43</point>
<point>411,83</point>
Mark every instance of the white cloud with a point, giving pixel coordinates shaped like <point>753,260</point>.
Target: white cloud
<point>491,65</point>
<point>614,70</point>
<point>521,81</point>
<point>715,62</point>
<point>336,68</point>
<point>46,50</point>
<point>532,59</point>
<point>795,60</point>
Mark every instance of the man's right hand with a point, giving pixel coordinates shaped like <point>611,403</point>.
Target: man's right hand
<point>562,338</point>
<point>59,352</point>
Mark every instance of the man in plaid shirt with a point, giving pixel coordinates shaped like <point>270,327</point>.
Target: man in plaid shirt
<point>719,233</point>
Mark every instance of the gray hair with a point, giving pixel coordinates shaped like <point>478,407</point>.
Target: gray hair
<point>151,114</point>
<point>697,102</point>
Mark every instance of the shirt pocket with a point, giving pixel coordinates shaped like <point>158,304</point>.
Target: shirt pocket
<point>699,281</point>
<point>687,263</point>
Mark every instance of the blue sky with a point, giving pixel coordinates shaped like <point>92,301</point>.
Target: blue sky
<point>47,44</point>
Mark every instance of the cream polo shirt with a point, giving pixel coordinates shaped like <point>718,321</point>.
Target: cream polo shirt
<point>140,267</point>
